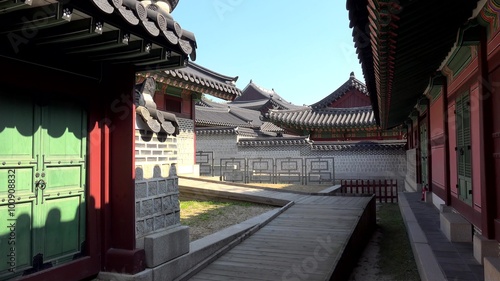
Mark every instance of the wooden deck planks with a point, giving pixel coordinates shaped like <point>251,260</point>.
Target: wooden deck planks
<point>303,243</point>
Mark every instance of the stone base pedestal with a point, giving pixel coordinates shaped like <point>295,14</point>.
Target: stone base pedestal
<point>455,227</point>
<point>166,245</point>
<point>491,269</point>
<point>145,275</point>
<point>484,248</point>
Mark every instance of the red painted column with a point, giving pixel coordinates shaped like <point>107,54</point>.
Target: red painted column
<point>418,152</point>
<point>488,190</point>
<point>446,157</point>
<point>94,181</point>
<point>193,117</point>
<point>429,148</point>
<point>121,256</point>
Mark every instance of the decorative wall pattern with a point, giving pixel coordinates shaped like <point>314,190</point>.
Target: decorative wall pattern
<point>156,184</point>
<point>185,142</point>
<point>361,164</point>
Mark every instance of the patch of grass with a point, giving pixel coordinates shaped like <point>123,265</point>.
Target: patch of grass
<point>207,217</point>
<point>396,256</point>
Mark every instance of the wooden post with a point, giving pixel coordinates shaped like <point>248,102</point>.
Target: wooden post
<point>446,130</point>
<point>488,189</point>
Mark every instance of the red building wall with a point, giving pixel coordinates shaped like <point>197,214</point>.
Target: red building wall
<point>451,151</point>
<point>353,98</point>
<point>466,81</point>
<point>494,78</point>
<point>477,144</point>
<point>437,138</point>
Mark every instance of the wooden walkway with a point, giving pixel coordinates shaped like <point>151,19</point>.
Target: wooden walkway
<point>318,238</point>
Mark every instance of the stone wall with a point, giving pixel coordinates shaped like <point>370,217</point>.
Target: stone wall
<point>367,164</point>
<point>185,145</point>
<point>156,184</point>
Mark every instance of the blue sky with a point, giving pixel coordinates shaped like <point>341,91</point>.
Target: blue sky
<point>301,49</point>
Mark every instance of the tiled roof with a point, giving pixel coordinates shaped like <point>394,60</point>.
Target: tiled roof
<point>398,56</point>
<point>273,141</point>
<point>153,20</point>
<point>256,97</point>
<point>270,127</point>
<point>199,79</point>
<point>227,112</point>
<point>81,37</point>
<point>328,117</point>
<point>226,131</point>
<point>350,84</point>
<point>209,116</point>
<point>359,145</point>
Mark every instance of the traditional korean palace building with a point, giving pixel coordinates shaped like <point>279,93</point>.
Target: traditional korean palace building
<point>261,124</point>
<point>88,145</point>
<point>440,78</point>
<point>244,113</point>
<point>177,92</point>
<point>344,115</point>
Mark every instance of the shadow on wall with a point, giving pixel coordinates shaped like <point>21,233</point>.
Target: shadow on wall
<point>154,171</point>
<point>36,239</point>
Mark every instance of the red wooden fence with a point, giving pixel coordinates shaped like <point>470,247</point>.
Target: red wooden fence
<point>384,190</point>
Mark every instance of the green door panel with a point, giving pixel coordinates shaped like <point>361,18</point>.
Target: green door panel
<point>64,132</point>
<point>42,172</point>
<point>64,151</point>
<point>17,131</point>
<point>63,221</point>
<point>64,178</point>
<point>16,242</point>
<point>23,178</point>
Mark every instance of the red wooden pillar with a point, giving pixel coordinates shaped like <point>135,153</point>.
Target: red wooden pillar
<point>418,151</point>
<point>429,147</point>
<point>193,117</point>
<point>446,132</point>
<point>121,254</point>
<point>488,190</point>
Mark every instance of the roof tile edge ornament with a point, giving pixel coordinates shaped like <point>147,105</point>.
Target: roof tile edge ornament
<point>125,11</point>
<point>154,119</point>
<point>273,142</point>
<point>104,6</point>
<point>216,131</point>
<point>135,12</point>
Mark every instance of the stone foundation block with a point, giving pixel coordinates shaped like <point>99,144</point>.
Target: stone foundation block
<point>484,248</point>
<point>491,269</point>
<point>443,208</point>
<point>455,227</point>
<point>146,275</point>
<point>166,245</point>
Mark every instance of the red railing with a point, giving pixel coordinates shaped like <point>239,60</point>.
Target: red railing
<point>384,190</point>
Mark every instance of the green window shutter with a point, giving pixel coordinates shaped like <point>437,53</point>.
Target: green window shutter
<point>464,159</point>
<point>467,136</point>
<point>460,134</point>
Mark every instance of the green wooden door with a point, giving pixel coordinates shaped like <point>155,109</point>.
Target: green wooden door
<point>464,165</point>
<point>42,185</point>
<point>424,155</point>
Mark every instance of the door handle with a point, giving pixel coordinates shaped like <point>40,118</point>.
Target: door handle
<point>40,184</point>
